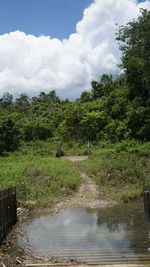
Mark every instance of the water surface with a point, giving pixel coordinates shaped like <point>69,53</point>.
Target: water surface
<point>118,234</point>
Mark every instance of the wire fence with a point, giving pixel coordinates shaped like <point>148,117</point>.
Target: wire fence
<point>8,211</point>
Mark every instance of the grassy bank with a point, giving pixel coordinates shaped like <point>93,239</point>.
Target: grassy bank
<point>40,181</point>
<point>121,170</point>
<point>121,176</point>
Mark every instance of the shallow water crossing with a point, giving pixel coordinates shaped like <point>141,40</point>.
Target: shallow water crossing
<point>119,234</point>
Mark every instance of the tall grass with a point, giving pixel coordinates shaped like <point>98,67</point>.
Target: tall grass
<point>49,148</point>
<point>40,181</point>
<point>119,173</point>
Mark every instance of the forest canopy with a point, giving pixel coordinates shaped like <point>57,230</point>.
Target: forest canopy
<point>113,109</point>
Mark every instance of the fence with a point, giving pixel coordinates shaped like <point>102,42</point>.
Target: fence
<point>8,211</point>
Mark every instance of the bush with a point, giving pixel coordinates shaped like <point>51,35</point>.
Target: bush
<point>9,135</point>
<point>40,181</point>
<point>36,131</point>
<point>118,169</point>
<point>128,146</point>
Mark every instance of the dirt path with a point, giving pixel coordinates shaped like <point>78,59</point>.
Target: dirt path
<point>88,195</point>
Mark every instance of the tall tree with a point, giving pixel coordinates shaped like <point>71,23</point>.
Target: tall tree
<point>6,100</point>
<point>134,39</point>
<point>9,134</point>
<point>22,103</point>
<point>103,87</point>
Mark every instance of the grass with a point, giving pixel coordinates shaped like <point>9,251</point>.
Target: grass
<point>121,176</point>
<point>49,148</point>
<point>40,181</point>
<point>121,170</point>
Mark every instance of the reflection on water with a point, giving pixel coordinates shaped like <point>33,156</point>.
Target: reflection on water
<point>113,235</point>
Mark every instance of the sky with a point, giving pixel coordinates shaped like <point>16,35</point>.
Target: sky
<point>56,18</point>
<point>60,44</point>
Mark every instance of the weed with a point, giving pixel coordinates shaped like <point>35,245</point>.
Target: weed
<point>40,181</point>
<point>114,171</point>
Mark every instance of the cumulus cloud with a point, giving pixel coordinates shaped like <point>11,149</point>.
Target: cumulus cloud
<point>30,64</point>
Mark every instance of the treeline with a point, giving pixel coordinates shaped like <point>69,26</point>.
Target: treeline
<point>112,110</point>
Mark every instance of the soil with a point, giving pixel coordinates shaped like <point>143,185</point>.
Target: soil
<point>88,195</point>
<point>75,158</point>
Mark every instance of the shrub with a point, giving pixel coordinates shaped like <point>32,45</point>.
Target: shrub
<point>9,135</point>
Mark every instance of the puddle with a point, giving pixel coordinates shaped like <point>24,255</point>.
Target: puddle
<point>118,234</point>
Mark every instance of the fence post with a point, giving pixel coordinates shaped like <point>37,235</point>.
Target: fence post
<point>147,201</point>
<point>8,211</point>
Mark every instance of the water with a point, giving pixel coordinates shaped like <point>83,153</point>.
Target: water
<point>118,234</point>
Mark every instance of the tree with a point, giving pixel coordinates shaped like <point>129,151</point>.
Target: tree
<point>85,96</point>
<point>138,121</point>
<point>105,78</point>
<point>6,100</point>
<point>103,87</point>
<point>22,103</point>
<point>9,134</point>
<point>23,99</point>
<point>51,96</point>
<point>36,131</point>
<point>134,39</point>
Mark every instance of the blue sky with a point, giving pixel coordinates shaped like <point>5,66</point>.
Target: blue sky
<point>56,18</point>
<point>60,45</point>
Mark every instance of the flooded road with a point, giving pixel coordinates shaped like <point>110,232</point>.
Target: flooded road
<point>119,234</point>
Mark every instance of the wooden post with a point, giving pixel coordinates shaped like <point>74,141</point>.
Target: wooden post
<point>8,211</point>
<point>88,150</point>
<point>59,152</point>
<point>147,202</point>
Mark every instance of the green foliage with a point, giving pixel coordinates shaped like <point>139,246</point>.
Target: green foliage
<point>6,100</point>
<point>86,96</point>
<point>33,131</point>
<point>82,121</point>
<point>9,135</point>
<point>115,169</point>
<point>36,148</point>
<point>129,195</point>
<point>138,121</point>
<point>114,110</point>
<point>120,176</point>
<point>102,88</point>
<point>114,116</point>
<point>40,181</point>
<point>134,41</point>
<point>131,146</point>
<point>145,149</point>
<point>51,96</point>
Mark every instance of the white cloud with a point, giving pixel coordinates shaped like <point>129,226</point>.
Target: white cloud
<point>32,64</point>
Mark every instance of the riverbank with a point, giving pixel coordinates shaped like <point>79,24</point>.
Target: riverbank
<point>94,182</point>
<point>87,195</point>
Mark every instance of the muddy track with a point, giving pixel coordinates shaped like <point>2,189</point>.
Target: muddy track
<point>88,194</point>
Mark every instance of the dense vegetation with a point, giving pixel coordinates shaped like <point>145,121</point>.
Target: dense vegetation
<point>40,181</point>
<point>113,113</point>
<point>121,176</point>
<point>112,110</point>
